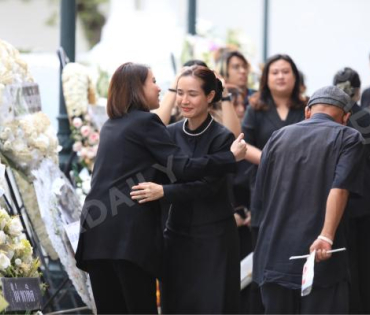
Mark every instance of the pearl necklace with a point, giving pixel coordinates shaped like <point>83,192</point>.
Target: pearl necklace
<point>196,134</point>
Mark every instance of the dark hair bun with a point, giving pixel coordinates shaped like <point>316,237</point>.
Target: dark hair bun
<point>218,90</point>
<point>347,79</point>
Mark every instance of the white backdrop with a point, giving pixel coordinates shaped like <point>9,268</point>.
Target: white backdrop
<point>322,36</point>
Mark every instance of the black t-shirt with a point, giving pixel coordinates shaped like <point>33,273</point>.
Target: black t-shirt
<point>360,120</point>
<point>365,98</point>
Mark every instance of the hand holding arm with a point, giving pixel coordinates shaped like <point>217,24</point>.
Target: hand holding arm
<point>145,192</point>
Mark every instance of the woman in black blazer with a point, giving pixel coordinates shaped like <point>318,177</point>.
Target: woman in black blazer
<point>120,243</point>
<point>202,274</point>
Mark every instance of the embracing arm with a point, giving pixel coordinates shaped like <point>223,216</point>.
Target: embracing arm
<point>165,109</point>
<point>190,190</point>
<point>179,192</point>
<point>169,101</point>
<point>172,162</point>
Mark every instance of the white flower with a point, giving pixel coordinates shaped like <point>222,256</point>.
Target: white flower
<point>2,223</point>
<point>42,142</point>
<point>86,186</point>
<point>22,237</point>
<point>83,153</point>
<point>15,226</point>
<point>7,145</point>
<point>4,214</point>
<point>19,145</point>
<point>91,154</point>
<point>5,133</point>
<point>85,131</point>
<point>4,261</point>
<point>77,122</point>
<point>18,261</point>
<point>77,146</point>
<point>10,254</point>
<point>2,237</point>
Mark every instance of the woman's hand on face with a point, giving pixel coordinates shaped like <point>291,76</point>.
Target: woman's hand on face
<point>145,192</point>
<point>239,148</point>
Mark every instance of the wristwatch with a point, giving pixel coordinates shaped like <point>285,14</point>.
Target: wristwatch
<point>227,98</point>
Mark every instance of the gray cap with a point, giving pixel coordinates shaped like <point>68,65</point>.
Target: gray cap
<point>331,95</point>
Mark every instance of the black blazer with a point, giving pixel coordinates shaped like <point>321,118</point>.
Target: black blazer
<point>133,149</point>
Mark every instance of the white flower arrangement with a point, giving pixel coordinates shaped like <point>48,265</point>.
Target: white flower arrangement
<point>79,92</point>
<point>12,68</point>
<point>16,253</point>
<point>78,89</point>
<point>86,137</point>
<point>28,140</point>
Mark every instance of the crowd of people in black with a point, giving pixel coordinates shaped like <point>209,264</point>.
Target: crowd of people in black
<point>184,189</point>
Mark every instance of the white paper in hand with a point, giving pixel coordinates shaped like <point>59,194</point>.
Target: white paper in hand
<point>308,274</point>
<point>246,269</point>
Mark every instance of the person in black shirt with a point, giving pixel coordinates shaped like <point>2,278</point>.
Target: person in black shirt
<point>306,174</point>
<point>358,209</point>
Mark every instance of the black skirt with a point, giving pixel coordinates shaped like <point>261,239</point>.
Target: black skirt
<point>202,269</point>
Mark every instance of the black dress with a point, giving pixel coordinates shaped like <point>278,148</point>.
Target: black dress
<point>202,272</point>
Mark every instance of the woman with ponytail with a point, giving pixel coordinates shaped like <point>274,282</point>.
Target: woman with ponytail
<point>202,269</point>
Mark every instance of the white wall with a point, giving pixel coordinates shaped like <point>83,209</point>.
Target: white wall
<point>322,36</point>
<point>245,15</point>
<point>23,24</point>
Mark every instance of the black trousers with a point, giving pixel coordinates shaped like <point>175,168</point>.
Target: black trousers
<point>122,287</point>
<point>359,257</point>
<point>280,300</point>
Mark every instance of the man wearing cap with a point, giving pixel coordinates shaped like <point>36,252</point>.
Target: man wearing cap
<point>306,174</point>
